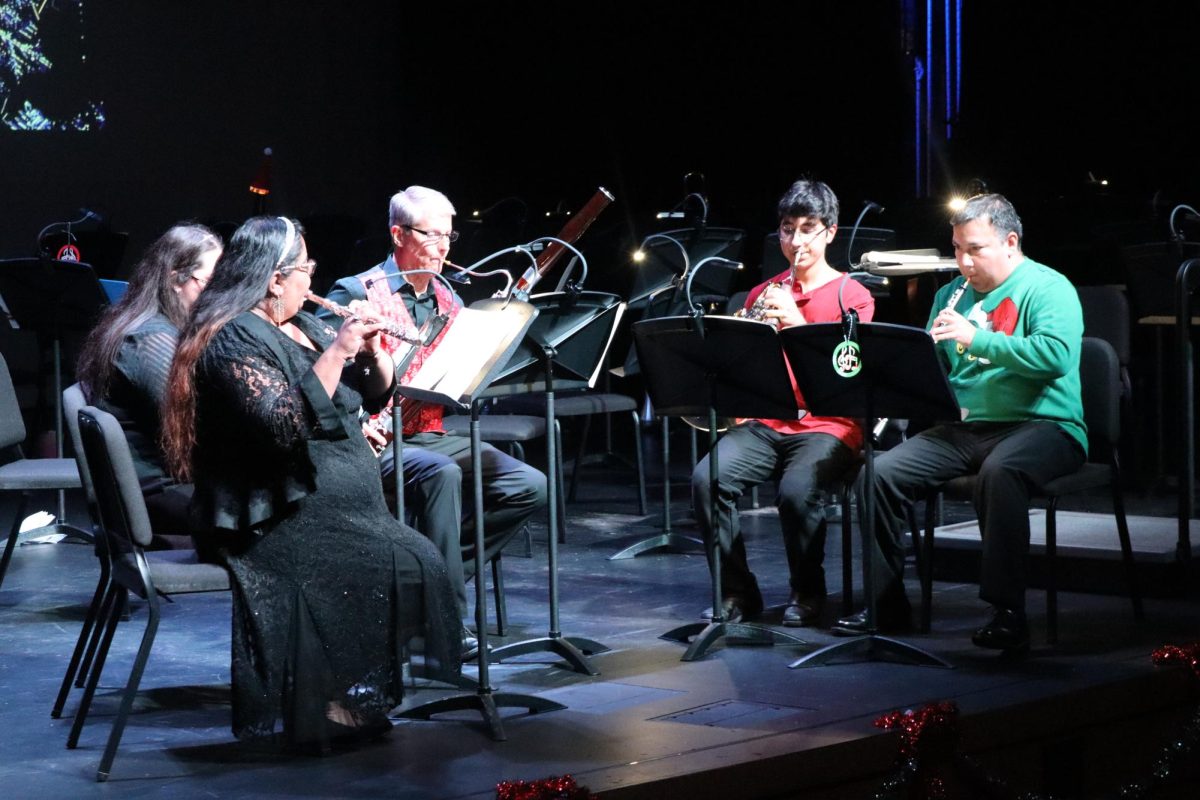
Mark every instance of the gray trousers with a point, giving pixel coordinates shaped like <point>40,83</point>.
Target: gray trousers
<point>1010,458</point>
<point>437,467</point>
<point>808,465</point>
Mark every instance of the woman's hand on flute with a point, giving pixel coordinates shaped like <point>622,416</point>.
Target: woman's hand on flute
<point>359,333</point>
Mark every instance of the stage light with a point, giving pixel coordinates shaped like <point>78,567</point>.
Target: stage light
<point>956,204</point>
<point>639,256</point>
<point>261,185</point>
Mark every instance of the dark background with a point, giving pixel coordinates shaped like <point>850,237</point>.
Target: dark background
<point>537,104</point>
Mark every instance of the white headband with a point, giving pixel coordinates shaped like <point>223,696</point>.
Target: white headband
<point>287,241</point>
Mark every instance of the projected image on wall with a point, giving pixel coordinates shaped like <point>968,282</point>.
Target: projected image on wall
<point>43,67</point>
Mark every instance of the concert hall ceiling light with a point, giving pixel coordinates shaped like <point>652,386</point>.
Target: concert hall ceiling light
<point>639,256</point>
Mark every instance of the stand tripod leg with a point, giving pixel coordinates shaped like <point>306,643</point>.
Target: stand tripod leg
<point>558,645</point>
<point>870,648</point>
<point>487,704</point>
<point>676,543</point>
<point>700,636</point>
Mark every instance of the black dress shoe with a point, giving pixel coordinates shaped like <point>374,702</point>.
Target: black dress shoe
<point>802,611</point>
<point>737,609</point>
<point>1007,631</point>
<point>896,619</point>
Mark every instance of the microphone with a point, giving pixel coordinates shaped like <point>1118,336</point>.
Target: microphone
<point>868,206</point>
<point>687,286</point>
<point>1185,213</point>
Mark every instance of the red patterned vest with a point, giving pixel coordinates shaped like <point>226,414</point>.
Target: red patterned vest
<point>417,417</point>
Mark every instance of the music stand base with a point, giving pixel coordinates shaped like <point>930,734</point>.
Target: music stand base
<point>736,633</point>
<point>670,541</point>
<point>589,647</point>
<point>487,704</point>
<point>417,672</point>
<point>870,648</point>
<point>561,646</point>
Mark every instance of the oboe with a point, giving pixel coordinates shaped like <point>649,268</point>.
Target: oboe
<point>955,296</point>
<point>406,335</point>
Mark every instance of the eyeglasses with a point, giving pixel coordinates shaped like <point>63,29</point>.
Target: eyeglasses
<point>788,232</point>
<point>307,267</point>
<point>433,236</point>
<point>202,281</point>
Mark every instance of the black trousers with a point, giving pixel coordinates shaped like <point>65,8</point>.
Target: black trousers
<point>436,468</point>
<point>807,464</point>
<point>1010,458</point>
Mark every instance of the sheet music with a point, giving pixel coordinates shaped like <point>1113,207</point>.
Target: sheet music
<point>464,351</point>
<point>612,332</point>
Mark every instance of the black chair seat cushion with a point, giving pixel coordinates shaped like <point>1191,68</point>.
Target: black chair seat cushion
<point>40,473</point>
<point>173,572</point>
<point>571,405</point>
<point>499,427</point>
<point>1089,476</point>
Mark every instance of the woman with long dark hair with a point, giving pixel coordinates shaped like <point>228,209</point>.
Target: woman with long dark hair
<point>329,588</point>
<point>126,358</point>
<point>124,363</point>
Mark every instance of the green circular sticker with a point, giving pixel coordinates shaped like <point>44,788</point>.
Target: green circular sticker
<point>846,361</point>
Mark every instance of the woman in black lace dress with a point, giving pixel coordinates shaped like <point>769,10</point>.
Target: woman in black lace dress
<point>328,587</point>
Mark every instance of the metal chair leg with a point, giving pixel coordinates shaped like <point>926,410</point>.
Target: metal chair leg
<point>1051,568</point>
<point>641,468</point>
<point>96,612</point>
<point>498,592</point>
<point>131,687</point>
<point>89,690</point>
<point>12,536</point>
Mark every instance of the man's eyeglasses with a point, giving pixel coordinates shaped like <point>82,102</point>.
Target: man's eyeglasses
<point>202,281</point>
<point>788,232</point>
<point>433,236</point>
<point>307,267</point>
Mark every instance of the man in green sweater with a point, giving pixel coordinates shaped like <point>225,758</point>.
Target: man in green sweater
<point>1010,342</point>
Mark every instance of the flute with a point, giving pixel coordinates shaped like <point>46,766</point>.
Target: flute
<point>390,328</point>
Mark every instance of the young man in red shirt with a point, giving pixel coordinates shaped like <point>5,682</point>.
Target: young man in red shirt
<point>808,455</point>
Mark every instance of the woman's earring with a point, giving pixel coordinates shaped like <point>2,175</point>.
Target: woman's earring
<point>277,309</point>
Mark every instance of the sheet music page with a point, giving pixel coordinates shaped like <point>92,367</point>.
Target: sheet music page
<point>612,332</point>
<point>464,351</point>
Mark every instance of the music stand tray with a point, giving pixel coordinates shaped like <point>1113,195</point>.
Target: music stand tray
<point>708,367</point>
<point>894,373</point>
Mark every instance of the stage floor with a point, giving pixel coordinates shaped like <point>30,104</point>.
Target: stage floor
<point>738,723</point>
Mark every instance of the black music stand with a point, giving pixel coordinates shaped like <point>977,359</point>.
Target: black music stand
<point>716,366</point>
<point>898,375</point>
<point>467,396</point>
<point>564,348</point>
<point>52,298</point>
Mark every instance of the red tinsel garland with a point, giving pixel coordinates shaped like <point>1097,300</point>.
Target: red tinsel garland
<point>933,720</point>
<point>1187,654</point>
<point>552,788</point>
